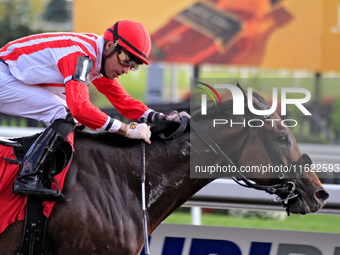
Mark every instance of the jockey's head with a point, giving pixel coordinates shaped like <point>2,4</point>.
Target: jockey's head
<point>131,41</point>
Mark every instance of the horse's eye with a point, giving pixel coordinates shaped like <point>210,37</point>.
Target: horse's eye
<point>283,139</point>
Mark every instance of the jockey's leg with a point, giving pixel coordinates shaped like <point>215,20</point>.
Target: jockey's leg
<point>37,158</point>
<point>36,102</point>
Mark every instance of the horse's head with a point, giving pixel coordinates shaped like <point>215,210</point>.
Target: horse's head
<point>265,151</point>
<point>275,143</point>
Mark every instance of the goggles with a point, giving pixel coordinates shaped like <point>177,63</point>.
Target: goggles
<point>124,60</point>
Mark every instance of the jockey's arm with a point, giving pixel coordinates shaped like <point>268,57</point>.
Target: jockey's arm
<point>78,102</point>
<point>129,107</point>
<point>81,108</point>
<point>77,93</point>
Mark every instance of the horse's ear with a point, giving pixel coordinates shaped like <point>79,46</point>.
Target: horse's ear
<point>239,86</point>
<point>256,103</point>
<point>243,91</point>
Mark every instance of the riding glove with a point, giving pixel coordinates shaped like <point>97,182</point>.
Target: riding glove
<point>138,131</point>
<point>176,117</point>
<point>171,116</point>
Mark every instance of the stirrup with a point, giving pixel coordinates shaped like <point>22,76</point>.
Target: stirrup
<point>35,188</point>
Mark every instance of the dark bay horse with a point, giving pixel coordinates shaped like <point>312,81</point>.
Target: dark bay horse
<point>102,213</point>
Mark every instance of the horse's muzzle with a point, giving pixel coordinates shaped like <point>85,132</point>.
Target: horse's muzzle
<point>304,204</point>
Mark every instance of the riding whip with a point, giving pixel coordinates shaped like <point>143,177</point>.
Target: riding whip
<point>145,223</point>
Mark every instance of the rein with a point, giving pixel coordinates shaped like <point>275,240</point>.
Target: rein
<point>285,190</point>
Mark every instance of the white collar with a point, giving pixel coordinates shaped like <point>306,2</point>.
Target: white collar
<point>100,46</point>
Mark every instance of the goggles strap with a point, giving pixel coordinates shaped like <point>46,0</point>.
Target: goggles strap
<point>116,36</point>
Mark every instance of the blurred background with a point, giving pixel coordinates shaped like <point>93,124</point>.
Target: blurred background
<point>210,39</point>
<point>255,39</point>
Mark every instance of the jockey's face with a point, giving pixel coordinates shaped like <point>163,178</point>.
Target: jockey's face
<point>113,68</point>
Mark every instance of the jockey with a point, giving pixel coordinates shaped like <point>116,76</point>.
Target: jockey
<point>46,77</point>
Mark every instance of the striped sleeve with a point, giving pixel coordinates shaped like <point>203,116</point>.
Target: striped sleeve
<point>127,106</point>
<point>47,58</point>
<point>78,101</point>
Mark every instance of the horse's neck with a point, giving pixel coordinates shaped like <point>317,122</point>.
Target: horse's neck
<point>173,193</point>
<point>169,182</point>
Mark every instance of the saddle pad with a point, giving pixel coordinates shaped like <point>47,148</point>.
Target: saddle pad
<point>12,207</point>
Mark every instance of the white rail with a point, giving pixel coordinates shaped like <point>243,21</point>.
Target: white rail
<point>223,193</point>
<point>226,194</point>
<point>18,131</point>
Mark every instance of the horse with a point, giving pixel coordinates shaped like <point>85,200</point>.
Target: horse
<point>102,212</point>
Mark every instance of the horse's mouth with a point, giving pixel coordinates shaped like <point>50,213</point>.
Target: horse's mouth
<point>304,204</point>
<point>299,206</point>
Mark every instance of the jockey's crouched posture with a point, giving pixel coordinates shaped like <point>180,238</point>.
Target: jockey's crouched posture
<point>46,77</point>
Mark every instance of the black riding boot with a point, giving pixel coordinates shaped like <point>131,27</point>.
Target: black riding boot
<point>36,160</point>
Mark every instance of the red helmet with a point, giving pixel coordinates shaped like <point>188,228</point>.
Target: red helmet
<point>132,36</point>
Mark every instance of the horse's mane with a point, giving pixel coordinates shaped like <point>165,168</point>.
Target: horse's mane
<point>114,139</point>
<point>227,108</point>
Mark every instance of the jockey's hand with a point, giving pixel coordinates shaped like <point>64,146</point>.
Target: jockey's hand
<point>138,131</point>
<point>175,116</point>
<point>171,116</point>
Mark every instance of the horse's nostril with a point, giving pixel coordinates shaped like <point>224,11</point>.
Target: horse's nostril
<point>321,195</point>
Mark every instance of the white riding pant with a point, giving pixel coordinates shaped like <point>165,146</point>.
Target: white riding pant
<point>29,101</point>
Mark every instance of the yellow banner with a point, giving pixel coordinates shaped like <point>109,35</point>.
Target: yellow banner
<point>292,34</point>
<point>96,16</point>
<point>310,40</point>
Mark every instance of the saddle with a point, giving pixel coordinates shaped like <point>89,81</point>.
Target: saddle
<point>35,223</point>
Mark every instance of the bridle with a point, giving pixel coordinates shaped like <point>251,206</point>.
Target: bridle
<point>279,189</point>
<point>284,189</point>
